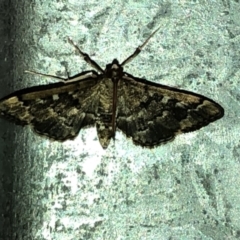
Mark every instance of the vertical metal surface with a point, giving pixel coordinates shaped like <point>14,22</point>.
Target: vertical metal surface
<point>6,146</point>
<point>76,190</point>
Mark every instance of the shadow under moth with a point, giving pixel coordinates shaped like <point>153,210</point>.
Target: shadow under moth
<point>147,112</point>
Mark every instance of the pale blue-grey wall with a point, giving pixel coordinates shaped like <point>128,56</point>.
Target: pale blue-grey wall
<point>187,189</point>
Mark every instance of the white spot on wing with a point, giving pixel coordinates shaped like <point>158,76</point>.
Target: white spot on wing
<point>55,97</point>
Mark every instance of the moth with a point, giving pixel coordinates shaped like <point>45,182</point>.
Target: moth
<point>111,99</point>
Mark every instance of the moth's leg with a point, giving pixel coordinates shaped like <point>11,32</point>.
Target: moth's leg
<point>138,49</point>
<point>77,77</point>
<point>86,57</point>
<point>47,75</point>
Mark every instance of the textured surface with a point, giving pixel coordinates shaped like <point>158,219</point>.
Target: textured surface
<point>187,189</point>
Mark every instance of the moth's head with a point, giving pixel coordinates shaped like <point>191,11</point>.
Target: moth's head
<point>114,70</point>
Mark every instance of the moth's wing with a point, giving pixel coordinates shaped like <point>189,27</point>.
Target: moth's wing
<point>57,111</point>
<point>152,114</point>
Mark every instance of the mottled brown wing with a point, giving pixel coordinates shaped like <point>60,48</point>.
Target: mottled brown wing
<point>152,114</point>
<point>57,111</point>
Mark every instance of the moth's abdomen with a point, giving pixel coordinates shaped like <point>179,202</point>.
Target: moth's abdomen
<point>104,129</point>
<point>104,121</point>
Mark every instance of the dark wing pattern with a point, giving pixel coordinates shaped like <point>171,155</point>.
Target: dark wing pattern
<point>152,114</point>
<point>57,111</point>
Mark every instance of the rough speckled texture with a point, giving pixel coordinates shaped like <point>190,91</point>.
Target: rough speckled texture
<point>188,189</point>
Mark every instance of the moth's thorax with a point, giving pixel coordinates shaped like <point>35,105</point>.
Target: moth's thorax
<point>114,70</point>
